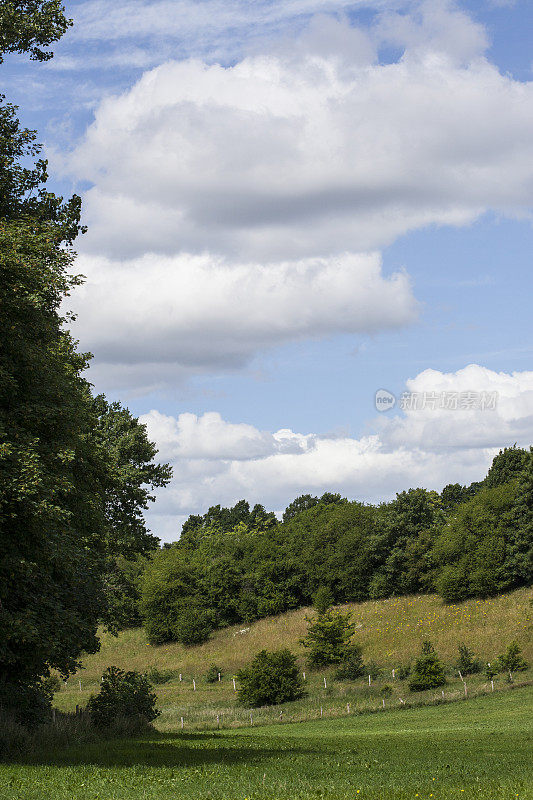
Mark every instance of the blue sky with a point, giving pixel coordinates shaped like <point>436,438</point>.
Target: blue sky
<point>292,205</point>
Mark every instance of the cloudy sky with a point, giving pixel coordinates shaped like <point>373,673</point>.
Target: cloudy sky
<point>291,205</point>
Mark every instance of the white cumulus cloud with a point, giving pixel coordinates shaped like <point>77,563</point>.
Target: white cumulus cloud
<point>220,462</point>
<point>156,319</point>
<point>298,155</point>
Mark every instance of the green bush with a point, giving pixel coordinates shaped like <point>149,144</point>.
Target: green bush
<point>352,666</point>
<point>511,660</point>
<point>328,637</point>
<point>212,674</point>
<point>52,683</point>
<point>123,696</point>
<point>428,671</point>
<point>270,679</point>
<point>386,691</point>
<point>374,670</point>
<point>403,672</point>
<point>159,676</point>
<point>490,671</point>
<point>467,663</point>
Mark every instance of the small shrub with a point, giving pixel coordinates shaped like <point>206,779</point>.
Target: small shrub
<point>328,637</point>
<point>490,671</point>
<point>403,672</point>
<point>352,666</point>
<point>212,673</point>
<point>270,679</point>
<point>373,670</point>
<point>467,664</point>
<point>386,691</point>
<point>159,676</point>
<point>511,660</point>
<point>52,683</point>
<point>428,671</point>
<point>125,699</point>
<point>193,626</point>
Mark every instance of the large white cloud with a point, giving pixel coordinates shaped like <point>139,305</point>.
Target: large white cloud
<point>218,462</point>
<point>297,155</point>
<point>231,207</point>
<point>166,317</point>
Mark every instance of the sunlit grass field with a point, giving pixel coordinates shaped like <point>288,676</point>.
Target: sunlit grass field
<point>480,748</point>
<point>390,632</point>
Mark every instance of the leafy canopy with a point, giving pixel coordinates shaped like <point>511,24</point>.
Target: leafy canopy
<point>28,26</point>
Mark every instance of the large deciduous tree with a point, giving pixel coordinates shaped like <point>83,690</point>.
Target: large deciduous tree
<point>75,472</point>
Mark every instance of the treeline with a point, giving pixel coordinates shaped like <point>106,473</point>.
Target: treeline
<point>240,564</point>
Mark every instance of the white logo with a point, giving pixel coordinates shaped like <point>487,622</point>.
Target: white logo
<point>384,400</point>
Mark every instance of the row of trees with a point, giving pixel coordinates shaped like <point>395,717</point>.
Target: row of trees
<point>76,472</point>
<point>240,564</point>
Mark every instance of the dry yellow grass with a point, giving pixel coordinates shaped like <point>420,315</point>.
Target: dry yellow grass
<point>390,632</point>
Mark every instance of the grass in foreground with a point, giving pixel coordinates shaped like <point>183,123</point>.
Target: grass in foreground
<point>479,748</point>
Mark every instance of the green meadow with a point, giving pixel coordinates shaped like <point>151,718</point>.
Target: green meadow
<point>479,748</point>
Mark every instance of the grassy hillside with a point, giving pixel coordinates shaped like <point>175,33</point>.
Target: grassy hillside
<point>480,748</point>
<point>390,632</point>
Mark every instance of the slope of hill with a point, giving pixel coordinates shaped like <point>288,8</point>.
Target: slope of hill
<point>389,631</point>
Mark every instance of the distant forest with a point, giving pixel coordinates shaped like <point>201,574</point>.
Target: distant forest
<point>235,565</point>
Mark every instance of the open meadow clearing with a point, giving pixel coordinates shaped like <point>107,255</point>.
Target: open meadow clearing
<point>479,748</point>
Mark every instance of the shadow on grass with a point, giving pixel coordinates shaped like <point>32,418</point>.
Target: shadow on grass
<point>159,750</point>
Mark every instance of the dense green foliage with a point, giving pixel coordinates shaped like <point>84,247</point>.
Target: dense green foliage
<point>123,696</point>
<point>270,679</point>
<point>467,663</point>
<point>351,666</point>
<point>466,542</point>
<point>512,659</point>
<point>428,671</point>
<point>26,26</point>
<point>75,472</point>
<point>213,674</point>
